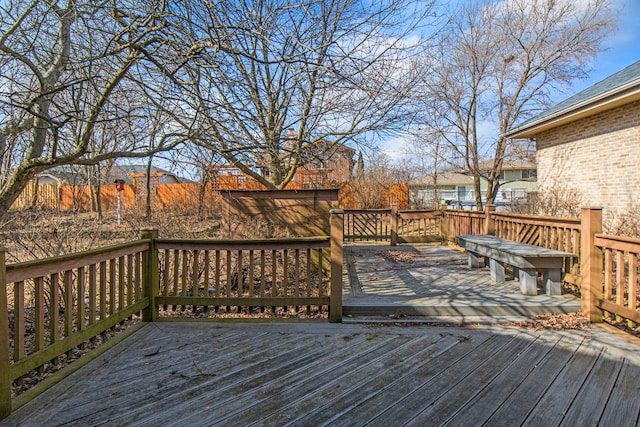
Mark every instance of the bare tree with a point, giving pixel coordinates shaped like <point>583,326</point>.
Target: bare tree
<point>498,63</point>
<point>326,70</point>
<point>63,68</point>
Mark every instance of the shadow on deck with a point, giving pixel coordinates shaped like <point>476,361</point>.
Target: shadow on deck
<point>434,281</point>
<point>301,374</point>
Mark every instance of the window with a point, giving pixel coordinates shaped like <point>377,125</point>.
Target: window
<point>529,174</point>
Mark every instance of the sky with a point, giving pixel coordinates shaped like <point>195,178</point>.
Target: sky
<point>621,49</point>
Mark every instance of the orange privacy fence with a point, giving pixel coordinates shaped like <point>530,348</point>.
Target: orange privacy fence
<point>190,195</point>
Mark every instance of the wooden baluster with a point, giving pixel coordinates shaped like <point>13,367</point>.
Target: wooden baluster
<point>620,281</point>
<point>296,277</point>
<point>112,286</point>
<point>121,283</point>
<point>207,276</point>
<point>130,267</point>
<point>39,317</point>
<point>263,276</point>
<point>608,276</point>
<point>250,278</point>
<point>54,312</point>
<point>633,285</point>
<point>67,280</point>
<point>18,321</point>
<point>195,271</point>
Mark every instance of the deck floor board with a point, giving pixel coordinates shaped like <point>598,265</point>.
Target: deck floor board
<point>300,374</point>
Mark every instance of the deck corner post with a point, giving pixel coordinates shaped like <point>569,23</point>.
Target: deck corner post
<point>394,225</point>
<point>591,264</point>
<point>337,239</point>
<point>150,274</point>
<point>5,377</point>
<point>489,222</point>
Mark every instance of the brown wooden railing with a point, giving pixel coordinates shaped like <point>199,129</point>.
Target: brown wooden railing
<point>367,225</point>
<point>460,223</point>
<point>219,275</point>
<point>419,226</point>
<point>557,233</point>
<point>49,307</point>
<point>393,226</point>
<point>562,234</point>
<point>620,281</point>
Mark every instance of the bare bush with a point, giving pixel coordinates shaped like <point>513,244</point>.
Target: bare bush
<point>552,201</point>
<point>623,223</point>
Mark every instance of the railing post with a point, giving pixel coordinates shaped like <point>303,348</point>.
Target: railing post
<point>5,377</point>
<point>337,238</point>
<point>394,225</point>
<point>489,223</point>
<point>591,264</point>
<point>444,222</point>
<point>150,274</point>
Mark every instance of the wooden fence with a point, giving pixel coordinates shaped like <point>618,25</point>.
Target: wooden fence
<point>176,196</point>
<point>49,307</point>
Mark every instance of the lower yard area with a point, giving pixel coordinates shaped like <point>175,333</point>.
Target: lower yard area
<point>203,373</point>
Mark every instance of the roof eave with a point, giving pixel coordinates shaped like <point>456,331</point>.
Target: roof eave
<point>606,101</point>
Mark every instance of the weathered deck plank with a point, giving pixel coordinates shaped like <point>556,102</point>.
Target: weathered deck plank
<point>321,374</point>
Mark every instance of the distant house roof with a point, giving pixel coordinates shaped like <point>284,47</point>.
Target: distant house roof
<point>618,89</point>
<point>444,178</point>
<point>73,174</point>
<point>509,165</point>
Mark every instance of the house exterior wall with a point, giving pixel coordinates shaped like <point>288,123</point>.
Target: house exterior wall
<point>599,156</point>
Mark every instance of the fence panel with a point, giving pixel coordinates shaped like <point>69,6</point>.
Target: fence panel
<point>236,277</point>
<point>420,226</point>
<point>57,304</point>
<point>367,225</point>
<point>620,284</point>
<point>460,223</point>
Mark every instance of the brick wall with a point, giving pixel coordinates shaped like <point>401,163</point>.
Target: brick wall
<point>599,156</point>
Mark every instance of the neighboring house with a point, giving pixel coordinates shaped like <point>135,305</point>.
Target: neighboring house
<point>591,142</point>
<point>517,180</point>
<point>322,164</point>
<point>451,187</point>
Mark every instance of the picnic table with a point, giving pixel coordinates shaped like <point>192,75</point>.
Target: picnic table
<point>526,260</point>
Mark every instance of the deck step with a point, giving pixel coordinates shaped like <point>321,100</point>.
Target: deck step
<point>458,310</point>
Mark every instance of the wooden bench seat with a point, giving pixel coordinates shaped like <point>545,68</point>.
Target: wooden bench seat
<point>526,260</point>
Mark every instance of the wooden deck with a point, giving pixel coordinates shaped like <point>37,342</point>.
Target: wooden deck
<point>303,374</point>
<point>435,281</point>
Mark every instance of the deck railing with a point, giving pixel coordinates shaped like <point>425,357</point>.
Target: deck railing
<point>219,275</point>
<point>460,223</point>
<point>49,307</point>
<point>367,225</point>
<point>392,225</point>
<point>620,285</point>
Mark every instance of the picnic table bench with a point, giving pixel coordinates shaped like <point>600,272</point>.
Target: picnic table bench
<point>525,259</point>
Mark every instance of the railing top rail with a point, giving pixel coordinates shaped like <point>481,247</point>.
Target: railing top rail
<point>363,211</point>
<point>454,212</point>
<point>418,214</point>
<point>39,268</point>
<point>248,244</point>
<point>565,221</point>
<point>629,244</point>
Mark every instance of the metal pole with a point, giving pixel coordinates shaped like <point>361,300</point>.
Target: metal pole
<point>118,207</point>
